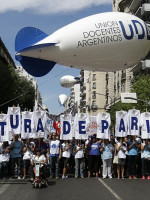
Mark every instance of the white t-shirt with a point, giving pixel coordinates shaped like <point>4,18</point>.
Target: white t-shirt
<point>40,119</point>
<point>80,153</point>
<point>27,125</point>
<point>4,157</point>
<point>37,159</point>
<point>4,131</point>
<point>66,119</point>
<point>14,122</point>
<point>67,153</point>
<point>145,121</point>
<point>81,123</point>
<point>28,154</point>
<point>54,147</point>
<point>133,120</point>
<point>121,128</point>
<point>103,119</point>
<point>121,153</point>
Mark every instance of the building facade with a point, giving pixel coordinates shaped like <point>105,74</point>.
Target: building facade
<point>5,56</point>
<point>141,9</point>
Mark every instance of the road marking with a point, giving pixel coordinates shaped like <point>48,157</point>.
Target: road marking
<point>112,192</point>
<point>3,188</point>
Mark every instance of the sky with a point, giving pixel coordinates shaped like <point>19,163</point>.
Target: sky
<point>48,16</point>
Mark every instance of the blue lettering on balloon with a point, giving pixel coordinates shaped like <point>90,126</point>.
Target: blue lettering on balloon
<point>27,125</point>
<point>148,32</point>
<point>81,127</point>
<point>2,124</point>
<point>148,126</point>
<point>122,126</point>
<point>104,125</point>
<point>134,123</point>
<point>128,37</point>
<point>14,126</point>
<point>40,126</point>
<point>66,127</point>
<point>142,35</point>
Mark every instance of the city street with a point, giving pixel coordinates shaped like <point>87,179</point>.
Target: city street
<point>73,189</point>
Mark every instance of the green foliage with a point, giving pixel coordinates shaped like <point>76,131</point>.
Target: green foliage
<point>141,86</point>
<point>11,86</point>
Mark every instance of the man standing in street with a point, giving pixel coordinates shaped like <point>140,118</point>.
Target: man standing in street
<point>16,148</point>
<point>55,156</point>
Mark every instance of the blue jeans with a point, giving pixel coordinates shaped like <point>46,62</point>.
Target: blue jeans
<point>132,165</point>
<point>18,162</point>
<point>54,165</point>
<point>3,169</point>
<point>79,166</point>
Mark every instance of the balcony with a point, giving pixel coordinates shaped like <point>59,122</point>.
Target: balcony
<point>107,91</point>
<point>135,5</point>
<point>93,96</point>
<point>145,9</point>
<point>82,94</point>
<point>123,76</point>
<point>146,64</point>
<point>122,5</point>
<point>139,12</point>
<point>107,76</point>
<point>94,107</point>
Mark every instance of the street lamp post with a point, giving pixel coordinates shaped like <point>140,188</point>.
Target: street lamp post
<point>148,102</point>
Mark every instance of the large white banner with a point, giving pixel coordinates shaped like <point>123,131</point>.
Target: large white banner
<point>145,124</point>
<point>37,125</point>
<point>92,127</point>
<point>121,128</point>
<point>27,125</point>
<point>103,125</point>
<point>66,127</point>
<point>14,122</point>
<point>4,132</point>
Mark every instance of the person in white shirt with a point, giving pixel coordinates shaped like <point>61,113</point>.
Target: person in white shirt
<point>79,150</point>
<point>4,159</point>
<point>66,153</point>
<point>121,149</point>
<point>28,150</point>
<point>39,158</point>
<point>54,156</point>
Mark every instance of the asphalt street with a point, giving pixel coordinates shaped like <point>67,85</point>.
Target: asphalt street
<point>73,189</point>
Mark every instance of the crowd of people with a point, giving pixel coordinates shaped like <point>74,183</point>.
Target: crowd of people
<point>120,158</point>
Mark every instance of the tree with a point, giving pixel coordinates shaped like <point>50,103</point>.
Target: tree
<point>12,86</point>
<point>141,86</point>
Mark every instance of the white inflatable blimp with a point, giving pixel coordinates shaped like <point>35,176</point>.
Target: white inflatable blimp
<point>69,81</point>
<point>102,42</point>
<point>62,99</point>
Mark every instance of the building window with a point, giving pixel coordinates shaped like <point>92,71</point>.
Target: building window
<point>94,85</point>
<point>94,95</point>
<point>94,77</point>
<point>93,103</point>
<point>94,114</point>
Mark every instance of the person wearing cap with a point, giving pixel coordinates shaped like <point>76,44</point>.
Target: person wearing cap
<point>54,156</point>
